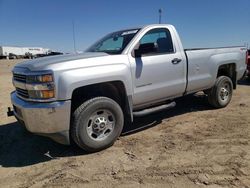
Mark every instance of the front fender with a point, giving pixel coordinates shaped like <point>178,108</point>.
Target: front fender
<point>69,80</point>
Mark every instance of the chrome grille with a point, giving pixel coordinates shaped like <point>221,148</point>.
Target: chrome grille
<point>22,92</point>
<point>19,77</point>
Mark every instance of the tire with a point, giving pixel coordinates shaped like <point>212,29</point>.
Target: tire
<point>96,124</point>
<point>221,93</point>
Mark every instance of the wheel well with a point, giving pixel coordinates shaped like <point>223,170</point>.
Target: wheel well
<point>230,71</point>
<point>114,90</point>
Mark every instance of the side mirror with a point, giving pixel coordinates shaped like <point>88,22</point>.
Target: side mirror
<point>145,49</point>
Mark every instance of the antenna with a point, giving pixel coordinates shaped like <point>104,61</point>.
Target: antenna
<point>160,12</point>
<point>74,40</point>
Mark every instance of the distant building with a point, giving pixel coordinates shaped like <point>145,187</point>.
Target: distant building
<point>9,52</point>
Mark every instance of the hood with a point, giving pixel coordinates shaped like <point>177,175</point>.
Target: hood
<point>41,63</point>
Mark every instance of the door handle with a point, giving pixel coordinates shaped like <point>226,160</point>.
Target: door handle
<point>176,60</point>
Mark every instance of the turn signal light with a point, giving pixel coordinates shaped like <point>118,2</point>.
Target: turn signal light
<point>47,78</point>
<point>48,94</point>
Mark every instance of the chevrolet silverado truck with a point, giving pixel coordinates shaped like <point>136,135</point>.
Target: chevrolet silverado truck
<point>87,98</point>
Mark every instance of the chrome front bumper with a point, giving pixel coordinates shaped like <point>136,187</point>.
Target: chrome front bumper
<point>47,119</point>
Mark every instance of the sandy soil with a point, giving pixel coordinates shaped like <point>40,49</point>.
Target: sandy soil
<point>191,145</point>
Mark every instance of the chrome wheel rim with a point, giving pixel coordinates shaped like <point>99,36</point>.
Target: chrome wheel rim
<point>225,92</point>
<point>100,124</point>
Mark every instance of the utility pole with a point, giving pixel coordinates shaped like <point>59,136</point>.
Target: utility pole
<point>160,12</point>
<point>74,40</point>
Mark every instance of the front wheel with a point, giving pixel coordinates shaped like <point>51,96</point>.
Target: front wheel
<point>97,123</point>
<point>221,93</point>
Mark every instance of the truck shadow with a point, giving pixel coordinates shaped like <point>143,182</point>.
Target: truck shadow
<point>187,104</point>
<point>245,81</point>
<point>20,148</point>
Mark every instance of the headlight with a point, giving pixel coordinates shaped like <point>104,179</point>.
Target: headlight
<point>46,94</point>
<point>40,86</point>
<point>39,78</point>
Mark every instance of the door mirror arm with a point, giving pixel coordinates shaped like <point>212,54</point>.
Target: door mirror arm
<point>137,53</point>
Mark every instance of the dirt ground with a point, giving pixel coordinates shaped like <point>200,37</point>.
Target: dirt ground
<point>191,145</point>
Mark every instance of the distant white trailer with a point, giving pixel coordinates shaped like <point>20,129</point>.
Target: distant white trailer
<point>36,50</point>
<point>7,51</point>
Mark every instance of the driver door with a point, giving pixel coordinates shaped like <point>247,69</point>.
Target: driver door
<point>159,73</point>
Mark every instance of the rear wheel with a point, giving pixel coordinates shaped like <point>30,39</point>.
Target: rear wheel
<point>221,94</point>
<point>97,123</point>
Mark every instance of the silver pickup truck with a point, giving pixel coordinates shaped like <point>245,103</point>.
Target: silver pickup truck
<point>87,98</point>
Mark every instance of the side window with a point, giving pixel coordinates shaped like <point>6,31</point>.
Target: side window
<point>161,38</point>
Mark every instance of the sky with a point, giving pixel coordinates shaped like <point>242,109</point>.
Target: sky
<point>48,23</point>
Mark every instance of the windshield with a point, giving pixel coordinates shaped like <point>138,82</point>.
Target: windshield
<point>113,43</point>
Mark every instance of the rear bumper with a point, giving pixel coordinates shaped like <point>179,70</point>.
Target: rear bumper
<point>47,119</point>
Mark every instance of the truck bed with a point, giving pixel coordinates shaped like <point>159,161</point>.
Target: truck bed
<point>203,63</point>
